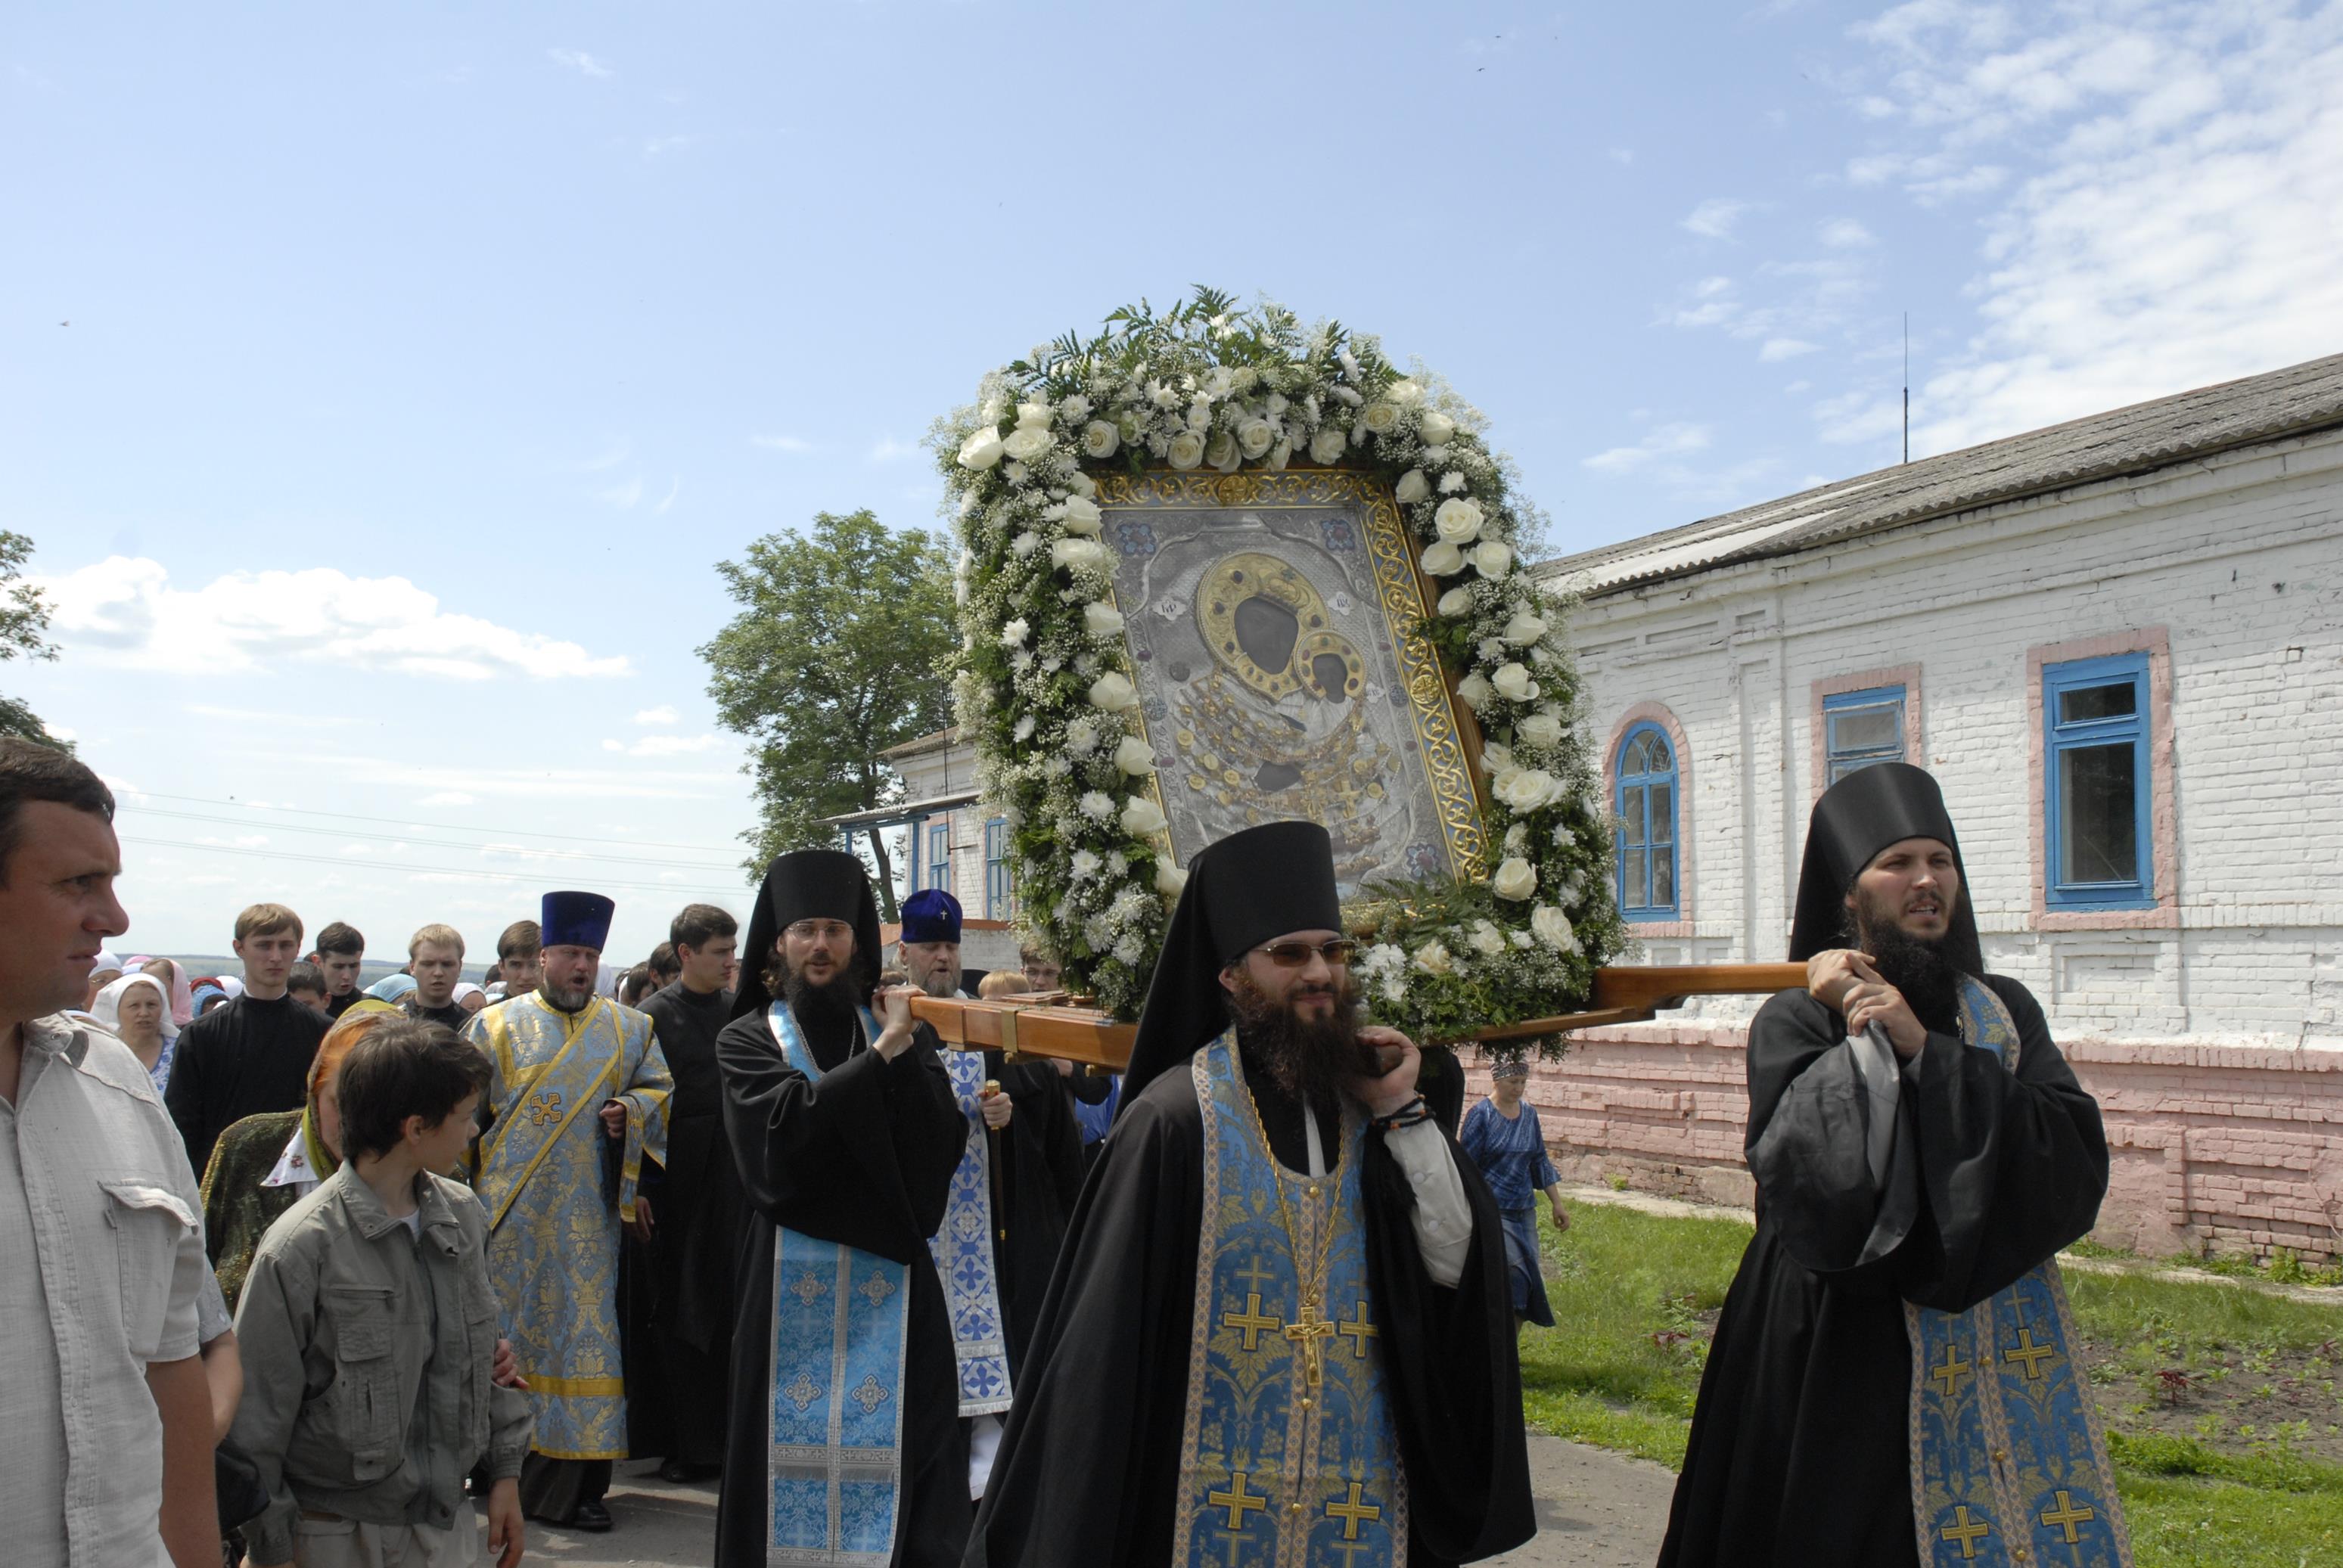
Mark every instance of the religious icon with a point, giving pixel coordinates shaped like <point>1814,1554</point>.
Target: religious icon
<point>1270,619</point>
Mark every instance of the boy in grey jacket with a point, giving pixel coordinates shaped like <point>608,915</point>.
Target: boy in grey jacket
<point>368,1330</point>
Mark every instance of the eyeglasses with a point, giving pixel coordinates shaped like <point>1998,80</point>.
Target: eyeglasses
<point>812,930</point>
<point>1293,955</point>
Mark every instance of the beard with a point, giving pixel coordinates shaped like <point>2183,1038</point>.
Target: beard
<point>1919,966</point>
<point>1311,1059</point>
<point>826,1011</point>
<point>563,1000</point>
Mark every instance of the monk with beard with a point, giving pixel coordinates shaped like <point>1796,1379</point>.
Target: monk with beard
<point>1280,1327</point>
<point>1891,1381</point>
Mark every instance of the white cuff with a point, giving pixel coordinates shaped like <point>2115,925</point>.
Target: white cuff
<point>1444,1218</point>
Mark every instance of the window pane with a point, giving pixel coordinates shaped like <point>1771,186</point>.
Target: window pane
<point>1664,879</point>
<point>1655,749</point>
<point>1637,761</point>
<point>1631,807</point>
<point>1637,897</point>
<point>2098,822</point>
<point>1664,814</point>
<point>2081,704</point>
<point>1867,730</point>
<point>1841,765</point>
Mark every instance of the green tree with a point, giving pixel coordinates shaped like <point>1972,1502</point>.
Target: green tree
<point>24,621</point>
<point>836,655</point>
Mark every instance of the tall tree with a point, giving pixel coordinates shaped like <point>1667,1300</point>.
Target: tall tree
<point>835,656</point>
<point>24,621</point>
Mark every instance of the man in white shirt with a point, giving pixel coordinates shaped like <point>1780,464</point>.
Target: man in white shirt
<point>106,1420</point>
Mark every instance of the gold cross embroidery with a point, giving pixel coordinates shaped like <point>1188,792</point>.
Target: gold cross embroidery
<point>1360,1330</point>
<point>545,1108</point>
<point>803,1393</point>
<point>1306,1332</point>
<point>2067,1515</point>
<point>1966,1531</point>
<point>2032,1354</point>
<point>1350,1512</point>
<point>1253,1321</point>
<point>1948,1373</point>
<point>1236,1500</point>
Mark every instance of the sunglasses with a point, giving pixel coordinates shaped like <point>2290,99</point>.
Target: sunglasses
<point>809,930</point>
<point>1293,955</point>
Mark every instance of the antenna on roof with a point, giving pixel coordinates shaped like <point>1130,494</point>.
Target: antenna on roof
<point>1907,386</point>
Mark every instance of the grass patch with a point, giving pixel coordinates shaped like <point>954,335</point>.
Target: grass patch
<point>2236,1466</point>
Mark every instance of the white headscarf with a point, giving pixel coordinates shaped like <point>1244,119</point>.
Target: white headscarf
<point>107,1007</point>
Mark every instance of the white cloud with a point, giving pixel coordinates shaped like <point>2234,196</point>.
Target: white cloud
<point>663,714</point>
<point>580,61</point>
<point>1840,232</point>
<point>673,490</point>
<point>622,497</point>
<point>664,745</point>
<point>887,449</point>
<point>780,443</point>
<point>1780,348</point>
<point>1666,440</point>
<point>448,798</point>
<point>123,611</point>
<point>1714,218</point>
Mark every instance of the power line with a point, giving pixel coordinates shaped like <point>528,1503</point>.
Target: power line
<point>599,882</point>
<point>406,822</point>
<point>433,843</point>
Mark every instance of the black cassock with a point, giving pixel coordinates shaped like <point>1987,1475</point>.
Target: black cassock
<point>1037,1176</point>
<point>678,1290</point>
<point>1088,1468</point>
<point>1799,1448</point>
<point>864,1158</point>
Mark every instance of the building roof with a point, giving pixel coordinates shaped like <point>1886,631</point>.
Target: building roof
<point>938,741</point>
<point>2138,439</point>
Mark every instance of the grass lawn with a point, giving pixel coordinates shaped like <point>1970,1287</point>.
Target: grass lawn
<point>2220,1402</point>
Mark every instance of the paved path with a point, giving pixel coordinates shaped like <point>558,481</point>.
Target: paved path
<point>1595,1510</point>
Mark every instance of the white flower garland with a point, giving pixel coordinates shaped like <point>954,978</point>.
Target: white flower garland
<point>1045,694</point>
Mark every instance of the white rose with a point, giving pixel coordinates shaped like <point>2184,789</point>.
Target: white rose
<point>1256,436</point>
<point>1517,838</point>
<point>1186,450</point>
<point>1033,415</point>
<point>1027,442</point>
<point>1406,393</point>
<point>1082,485</point>
<point>1077,554</point>
<point>1013,634</point>
<point>1486,937</point>
<point>1327,446</point>
<point>1457,520</point>
<point>1542,727</point>
<point>1432,958</point>
<point>1457,600</point>
<point>1380,418</point>
<point>1279,455</point>
<point>1474,689</point>
<point>1495,758</point>
<point>1436,427</point>
<point>1492,559</point>
<point>1443,560</point>
<point>1221,452</point>
<point>1515,878</point>
<point>1168,879</point>
<point>1134,757</point>
<point>1525,788</point>
<point>1414,486</point>
<point>1524,628</point>
<point>1102,620</point>
<point>1100,439</point>
<point>1113,693</point>
<point>1078,514</point>
<point>981,449</point>
<point>1141,817</point>
<point>1512,681</point>
<point>1551,925</point>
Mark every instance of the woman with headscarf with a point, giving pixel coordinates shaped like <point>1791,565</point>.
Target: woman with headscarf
<point>137,1011</point>
<point>174,981</point>
<point>263,1164</point>
<point>204,995</point>
<point>1503,1137</point>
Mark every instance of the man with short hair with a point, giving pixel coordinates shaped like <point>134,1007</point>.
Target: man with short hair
<point>435,957</point>
<point>573,1074</point>
<point>105,1417</point>
<point>845,1443</point>
<point>517,952</point>
<point>341,953</point>
<point>251,1054</point>
<point>1892,1378</point>
<point>664,967</point>
<point>1280,1329</point>
<point>681,1301</point>
<point>928,948</point>
<point>306,983</point>
<point>1040,968</point>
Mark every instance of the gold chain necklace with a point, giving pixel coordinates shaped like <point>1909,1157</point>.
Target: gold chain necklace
<point>1313,1282</point>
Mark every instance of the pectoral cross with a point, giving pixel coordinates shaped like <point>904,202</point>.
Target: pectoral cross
<point>1308,1332</point>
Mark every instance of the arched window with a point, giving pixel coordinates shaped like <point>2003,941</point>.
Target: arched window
<point>1647,825</point>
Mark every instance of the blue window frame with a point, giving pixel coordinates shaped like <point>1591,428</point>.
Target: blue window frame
<point>1646,839</point>
<point>1861,729</point>
<point>2094,784</point>
<point>1000,892</point>
<point>939,855</point>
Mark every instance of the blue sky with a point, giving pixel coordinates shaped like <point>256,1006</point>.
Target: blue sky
<point>421,364</point>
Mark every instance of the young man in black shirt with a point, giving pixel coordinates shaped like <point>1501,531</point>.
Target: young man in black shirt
<point>252,1053</point>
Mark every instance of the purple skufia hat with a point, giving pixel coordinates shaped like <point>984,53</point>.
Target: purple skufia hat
<point>932,915</point>
<point>572,919</point>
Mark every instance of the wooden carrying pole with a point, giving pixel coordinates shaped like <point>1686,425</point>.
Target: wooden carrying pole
<point>1624,995</point>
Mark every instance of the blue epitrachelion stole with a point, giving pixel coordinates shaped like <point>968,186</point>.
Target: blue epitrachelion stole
<point>963,1252</point>
<point>840,1322</point>
<point>2008,1463</point>
<point>1289,1457</point>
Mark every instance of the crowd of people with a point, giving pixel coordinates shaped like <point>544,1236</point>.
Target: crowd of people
<point>456,1248</point>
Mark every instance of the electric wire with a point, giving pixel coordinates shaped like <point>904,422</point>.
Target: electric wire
<point>431,843</point>
<point>409,822</point>
<point>345,864</point>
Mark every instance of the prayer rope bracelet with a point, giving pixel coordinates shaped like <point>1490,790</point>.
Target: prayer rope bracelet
<point>1407,1115</point>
